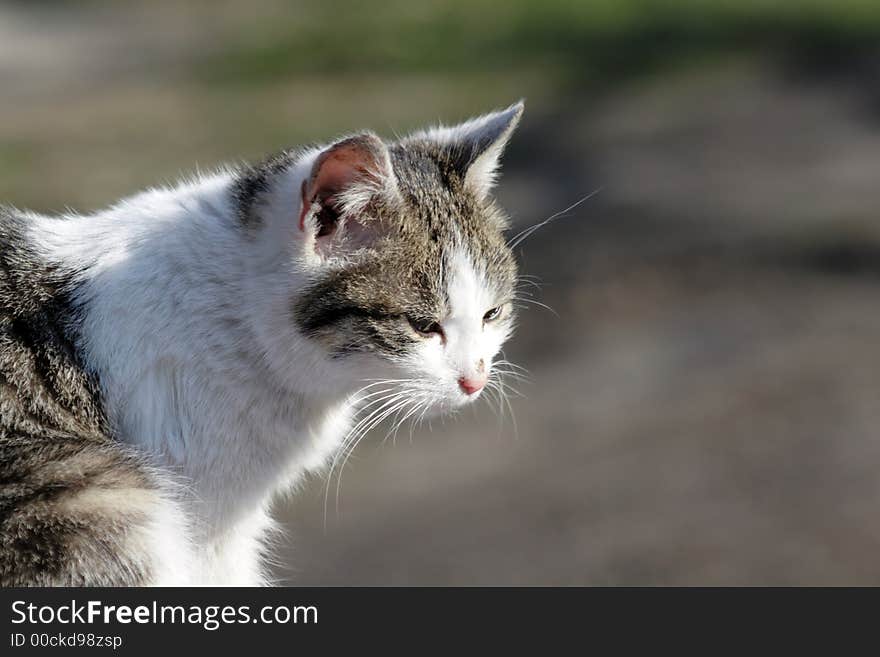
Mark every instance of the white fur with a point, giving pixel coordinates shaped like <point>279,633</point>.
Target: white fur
<point>182,315</point>
<point>188,325</point>
<point>468,340</point>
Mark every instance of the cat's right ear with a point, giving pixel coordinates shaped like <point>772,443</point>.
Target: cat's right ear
<point>345,179</point>
<point>474,147</point>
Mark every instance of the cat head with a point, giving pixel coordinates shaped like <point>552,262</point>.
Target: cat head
<point>403,272</point>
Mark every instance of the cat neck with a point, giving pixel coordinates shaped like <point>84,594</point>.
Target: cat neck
<point>170,300</point>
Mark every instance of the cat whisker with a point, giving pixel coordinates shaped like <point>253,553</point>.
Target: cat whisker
<point>518,300</point>
<point>403,417</point>
<point>529,278</point>
<point>523,235</point>
<point>371,383</point>
<point>522,284</point>
<point>499,385</point>
<point>372,395</point>
<point>378,418</point>
<point>396,410</point>
<point>494,401</point>
<point>380,403</point>
<point>514,367</point>
<point>516,376</point>
<point>386,403</point>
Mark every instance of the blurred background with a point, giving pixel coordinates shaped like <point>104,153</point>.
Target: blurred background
<point>703,407</point>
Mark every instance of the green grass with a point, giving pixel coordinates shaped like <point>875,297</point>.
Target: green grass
<point>582,37</point>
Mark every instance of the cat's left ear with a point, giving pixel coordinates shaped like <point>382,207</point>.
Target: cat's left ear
<point>346,178</point>
<point>475,146</point>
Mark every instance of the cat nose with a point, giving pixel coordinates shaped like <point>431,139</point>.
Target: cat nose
<point>472,384</point>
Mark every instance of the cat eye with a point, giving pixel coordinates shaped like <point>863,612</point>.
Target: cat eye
<point>493,314</point>
<point>426,327</point>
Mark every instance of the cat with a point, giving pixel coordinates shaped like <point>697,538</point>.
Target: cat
<point>170,364</point>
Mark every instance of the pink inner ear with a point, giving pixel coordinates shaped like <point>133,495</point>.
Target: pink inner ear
<point>342,164</point>
<point>340,167</point>
<point>306,204</point>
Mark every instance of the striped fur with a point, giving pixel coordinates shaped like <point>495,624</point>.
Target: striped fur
<point>76,508</point>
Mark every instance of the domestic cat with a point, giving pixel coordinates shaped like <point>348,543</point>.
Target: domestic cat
<point>171,363</point>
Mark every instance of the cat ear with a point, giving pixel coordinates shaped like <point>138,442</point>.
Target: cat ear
<point>345,179</point>
<point>475,146</point>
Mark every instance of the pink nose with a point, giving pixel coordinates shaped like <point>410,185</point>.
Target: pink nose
<point>472,385</point>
